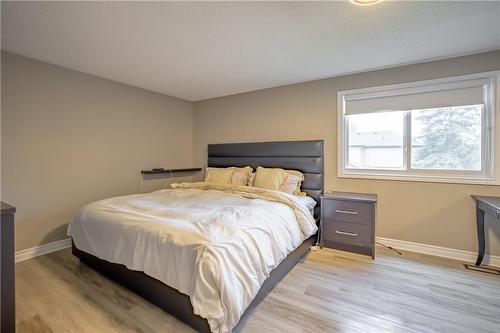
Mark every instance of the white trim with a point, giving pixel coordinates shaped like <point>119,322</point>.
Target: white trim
<point>490,175</point>
<point>376,175</point>
<point>419,87</point>
<point>438,251</point>
<point>42,249</point>
<point>422,86</point>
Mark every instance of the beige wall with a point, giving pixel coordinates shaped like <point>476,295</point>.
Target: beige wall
<point>69,138</point>
<point>430,213</point>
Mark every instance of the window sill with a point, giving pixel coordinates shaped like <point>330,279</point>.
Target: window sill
<point>419,178</point>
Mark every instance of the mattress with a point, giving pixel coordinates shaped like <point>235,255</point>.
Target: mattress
<point>215,244</point>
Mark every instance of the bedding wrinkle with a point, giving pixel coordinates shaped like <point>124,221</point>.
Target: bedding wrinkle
<point>215,243</point>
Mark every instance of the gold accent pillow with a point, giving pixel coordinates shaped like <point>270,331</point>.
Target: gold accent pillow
<point>221,176</point>
<point>269,178</point>
<point>241,176</point>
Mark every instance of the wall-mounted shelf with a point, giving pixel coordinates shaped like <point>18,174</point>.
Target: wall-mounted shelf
<point>168,171</point>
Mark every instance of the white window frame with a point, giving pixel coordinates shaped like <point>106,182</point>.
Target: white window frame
<point>490,163</point>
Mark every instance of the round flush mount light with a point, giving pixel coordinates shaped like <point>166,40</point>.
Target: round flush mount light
<point>364,2</point>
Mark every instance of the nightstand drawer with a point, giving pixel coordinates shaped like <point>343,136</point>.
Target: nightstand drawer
<point>348,233</point>
<point>351,212</point>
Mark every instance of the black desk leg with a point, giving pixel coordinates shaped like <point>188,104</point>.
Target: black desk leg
<point>480,236</point>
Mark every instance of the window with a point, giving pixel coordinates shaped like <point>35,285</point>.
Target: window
<point>447,138</point>
<point>440,130</point>
<point>376,141</point>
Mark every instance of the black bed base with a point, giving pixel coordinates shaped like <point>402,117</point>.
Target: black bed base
<point>174,302</point>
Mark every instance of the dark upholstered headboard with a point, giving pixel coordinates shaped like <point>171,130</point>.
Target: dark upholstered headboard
<point>304,156</point>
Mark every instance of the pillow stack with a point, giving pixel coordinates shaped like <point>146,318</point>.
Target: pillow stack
<point>228,176</point>
<point>277,179</point>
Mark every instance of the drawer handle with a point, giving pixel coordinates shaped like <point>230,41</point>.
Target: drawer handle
<point>346,233</point>
<point>350,212</point>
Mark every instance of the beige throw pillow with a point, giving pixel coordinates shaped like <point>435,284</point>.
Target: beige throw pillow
<point>241,176</point>
<point>220,176</point>
<point>269,178</point>
<point>238,176</point>
<point>251,179</point>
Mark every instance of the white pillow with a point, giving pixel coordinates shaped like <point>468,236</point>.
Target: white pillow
<point>292,182</point>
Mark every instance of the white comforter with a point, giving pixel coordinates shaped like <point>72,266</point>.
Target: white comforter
<point>216,246</point>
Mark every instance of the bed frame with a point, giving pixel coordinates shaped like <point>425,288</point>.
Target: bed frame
<point>305,156</point>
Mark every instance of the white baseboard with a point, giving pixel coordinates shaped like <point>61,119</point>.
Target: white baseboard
<point>438,251</point>
<point>42,249</point>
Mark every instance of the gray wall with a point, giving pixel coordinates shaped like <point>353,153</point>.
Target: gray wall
<point>429,213</point>
<point>69,138</point>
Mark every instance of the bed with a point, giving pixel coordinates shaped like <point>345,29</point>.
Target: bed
<point>305,156</point>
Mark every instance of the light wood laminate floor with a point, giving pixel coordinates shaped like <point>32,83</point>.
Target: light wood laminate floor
<point>327,291</point>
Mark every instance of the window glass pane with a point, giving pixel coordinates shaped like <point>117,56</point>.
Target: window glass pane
<point>376,140</point>
<point>446,138</point>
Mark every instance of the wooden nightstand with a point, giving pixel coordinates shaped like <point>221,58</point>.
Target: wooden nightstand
<point>348,222</point>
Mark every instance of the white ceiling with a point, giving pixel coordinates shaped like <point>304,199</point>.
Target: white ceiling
<point>199,50</point>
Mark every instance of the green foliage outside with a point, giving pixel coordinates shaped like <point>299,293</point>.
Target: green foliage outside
<point>450,138</point>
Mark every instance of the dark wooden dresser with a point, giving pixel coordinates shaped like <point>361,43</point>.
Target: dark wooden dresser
<point>7,270</point>
<point>348,222</point>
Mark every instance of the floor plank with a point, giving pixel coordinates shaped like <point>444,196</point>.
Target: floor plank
<point>328,291</point>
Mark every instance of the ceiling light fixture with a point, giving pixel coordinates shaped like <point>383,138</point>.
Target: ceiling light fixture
<point>364,2</point>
